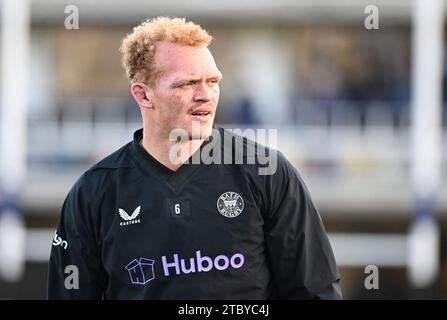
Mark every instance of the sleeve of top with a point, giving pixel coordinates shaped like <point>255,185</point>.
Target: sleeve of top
<point>75,269</point>
<point>300,255</point>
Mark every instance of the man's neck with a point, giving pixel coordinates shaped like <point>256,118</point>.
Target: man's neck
<point>171,154</point>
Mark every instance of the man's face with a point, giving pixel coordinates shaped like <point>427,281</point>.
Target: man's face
<point>187,90</point>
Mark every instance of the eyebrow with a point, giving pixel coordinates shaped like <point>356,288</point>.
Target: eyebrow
<point>177,82</point>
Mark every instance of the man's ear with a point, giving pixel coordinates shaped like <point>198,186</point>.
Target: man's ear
<point>139,92</point>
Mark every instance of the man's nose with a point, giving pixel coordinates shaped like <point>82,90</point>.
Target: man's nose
<point>203,93</point>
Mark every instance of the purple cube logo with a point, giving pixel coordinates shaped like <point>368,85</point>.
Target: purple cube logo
<point>141,271</point>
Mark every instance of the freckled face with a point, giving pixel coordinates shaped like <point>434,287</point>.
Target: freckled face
<point>187,90</point>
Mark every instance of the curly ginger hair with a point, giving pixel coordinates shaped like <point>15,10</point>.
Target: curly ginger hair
<point>138,48</point>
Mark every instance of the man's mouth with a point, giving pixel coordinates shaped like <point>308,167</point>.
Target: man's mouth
<point>201,115</point>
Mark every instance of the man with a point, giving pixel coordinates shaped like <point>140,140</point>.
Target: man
<point>149,222</point>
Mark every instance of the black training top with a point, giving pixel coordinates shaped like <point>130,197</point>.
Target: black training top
<point>130,228</point>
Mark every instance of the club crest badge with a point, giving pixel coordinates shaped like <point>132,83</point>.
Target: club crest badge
<point>230,204</point>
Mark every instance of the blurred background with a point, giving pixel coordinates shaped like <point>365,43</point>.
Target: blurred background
<point>355,89</point>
